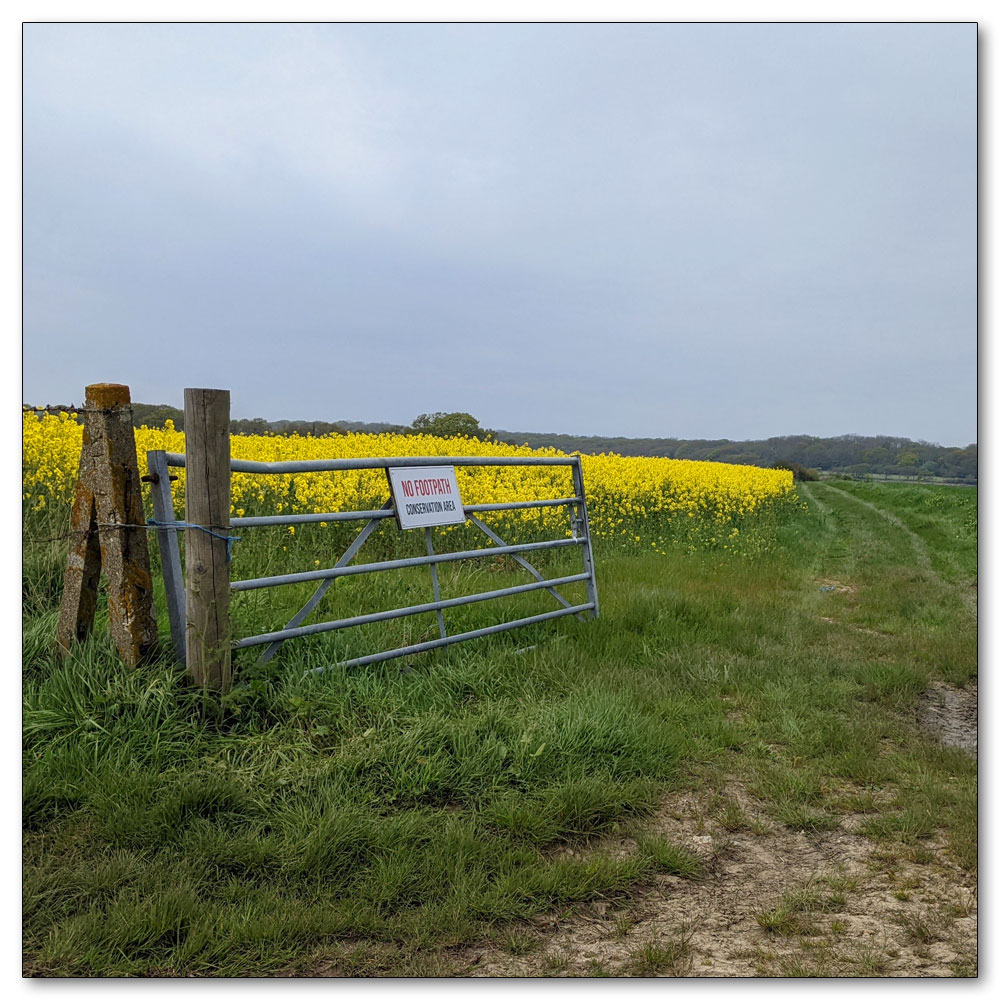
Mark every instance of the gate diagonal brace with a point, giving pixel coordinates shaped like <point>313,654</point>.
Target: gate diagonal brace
<point>520,560</point>
<point>310,605</point>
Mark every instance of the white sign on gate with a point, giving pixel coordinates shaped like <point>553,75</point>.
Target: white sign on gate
<point>426,496</point>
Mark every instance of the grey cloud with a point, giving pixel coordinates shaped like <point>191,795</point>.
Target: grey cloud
<point>689,230</point>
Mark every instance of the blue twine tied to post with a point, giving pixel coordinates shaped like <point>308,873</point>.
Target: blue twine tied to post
<point>228,539</point>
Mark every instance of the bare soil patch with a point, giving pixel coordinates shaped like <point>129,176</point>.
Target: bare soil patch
<point>774,902</point>
<point>854,628</point>
<point>951,714</point>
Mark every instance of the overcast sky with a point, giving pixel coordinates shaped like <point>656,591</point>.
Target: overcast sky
<point>647,230</point>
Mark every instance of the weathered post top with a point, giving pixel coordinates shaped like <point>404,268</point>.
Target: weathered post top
<point>107,395</point>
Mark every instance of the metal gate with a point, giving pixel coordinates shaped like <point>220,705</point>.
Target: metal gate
<point>160,462</point>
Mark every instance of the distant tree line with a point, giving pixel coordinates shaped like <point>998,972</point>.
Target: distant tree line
<point>850,454</point>
<point>438,424</point>
<point>853,454</point>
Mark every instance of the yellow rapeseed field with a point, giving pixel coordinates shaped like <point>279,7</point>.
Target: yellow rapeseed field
<point>649,502</point>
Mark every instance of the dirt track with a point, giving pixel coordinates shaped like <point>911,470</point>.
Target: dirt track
<point>952,715</point>
<point>860,912</point>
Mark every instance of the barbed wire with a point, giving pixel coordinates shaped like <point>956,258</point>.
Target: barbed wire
<point>86,532</point>
<point>151,525</point>
<point>53,408</point>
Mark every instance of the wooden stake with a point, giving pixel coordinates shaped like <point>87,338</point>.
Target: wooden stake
<point>83,567</point>
<point>107,495</point>
<point>207,496</point>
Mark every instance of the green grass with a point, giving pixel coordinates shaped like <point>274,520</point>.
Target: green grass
<point>796,912</point>
<point>944,517</point>
<point>670,859</point>
<point>379,817</point>
<point>659,958</point>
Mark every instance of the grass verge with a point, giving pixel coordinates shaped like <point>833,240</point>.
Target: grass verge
<point>406,809</point>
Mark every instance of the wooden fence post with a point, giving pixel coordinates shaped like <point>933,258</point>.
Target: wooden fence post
<point>207,495</point>
<point>108,495</point>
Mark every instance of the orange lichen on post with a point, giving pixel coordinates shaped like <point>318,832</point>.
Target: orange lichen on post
<point>108,395</point>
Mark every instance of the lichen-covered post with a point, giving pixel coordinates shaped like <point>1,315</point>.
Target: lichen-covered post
<point>207,495</point>
<point>83,565</point>
<point>108,523</point>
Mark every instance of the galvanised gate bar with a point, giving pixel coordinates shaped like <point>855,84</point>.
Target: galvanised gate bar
<point>160,462</point>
